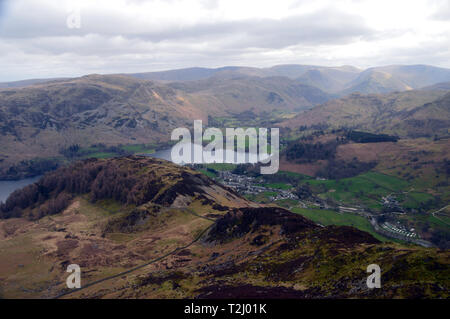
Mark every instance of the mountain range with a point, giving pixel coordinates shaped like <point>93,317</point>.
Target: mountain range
<point>337,80</point>
<point>43,117</point>
<point>340,80</point>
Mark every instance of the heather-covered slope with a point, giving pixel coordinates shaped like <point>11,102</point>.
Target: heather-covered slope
<point>184,236</point>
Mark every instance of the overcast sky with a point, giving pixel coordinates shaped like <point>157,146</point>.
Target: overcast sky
<point>140,36</point>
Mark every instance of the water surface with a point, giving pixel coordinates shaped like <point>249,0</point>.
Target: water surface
<point>7,187</point>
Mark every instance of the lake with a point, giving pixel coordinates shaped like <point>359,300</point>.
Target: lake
<point>166,154</point>
<point>7,187</point>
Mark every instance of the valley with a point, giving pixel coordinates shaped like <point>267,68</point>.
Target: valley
<point>364,178</point>
<point>356,201</point>
<point>189,237</point>
<point>220,159</point>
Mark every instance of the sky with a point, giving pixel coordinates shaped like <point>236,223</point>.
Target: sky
<point>63,38</point>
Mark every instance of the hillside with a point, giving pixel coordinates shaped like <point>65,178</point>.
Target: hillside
<point>240,93</point>
<point>291,71</point>
<point>328,79</point>
<point>372,81</point>
<point>150,229</point>
<point>392,78</point>
<point>43,119</point>
<point>407,114</point>
<point>24,83</point>
<point>416,76</point>
<point>444,86</point>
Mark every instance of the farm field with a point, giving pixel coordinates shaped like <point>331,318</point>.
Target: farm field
<point>329,217</point>
<point>367,189</point>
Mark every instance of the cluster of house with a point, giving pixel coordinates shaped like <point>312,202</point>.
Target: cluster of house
<point>391,203</point>
<point>400,230</point>
<point>248,185</point>
<point>282,194</point>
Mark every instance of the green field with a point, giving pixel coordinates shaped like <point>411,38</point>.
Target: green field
<point>416,200</point>
<point>388,182</point>
<point>221,166</point>
<point>101,151</point>
<point>367,189</point>
<point>207,173</point>
<point>263,197</point>
<point>329,217</point>
<point>100,155</point>
<point>429,219</point>
<point>138,149</point>
<point>287,203</point>
<point>294,175</point>
<point>278,185</point>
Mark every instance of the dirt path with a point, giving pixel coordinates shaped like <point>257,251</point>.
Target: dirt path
<point>437,212</point>
<point>147,263</point>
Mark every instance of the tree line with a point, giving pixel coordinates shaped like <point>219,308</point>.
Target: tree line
<point>116,180</point>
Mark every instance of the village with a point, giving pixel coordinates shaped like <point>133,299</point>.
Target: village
<point>249,185</point>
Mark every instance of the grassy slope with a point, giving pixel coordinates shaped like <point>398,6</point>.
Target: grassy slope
<point>329,217</point>
<point>367,189</point>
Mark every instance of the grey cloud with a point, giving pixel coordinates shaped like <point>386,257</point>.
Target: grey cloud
<point>322,27</point>
<point>443,13</point>
<point>210,4</point>
<point>29,20</point>
<point>36,42</point>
